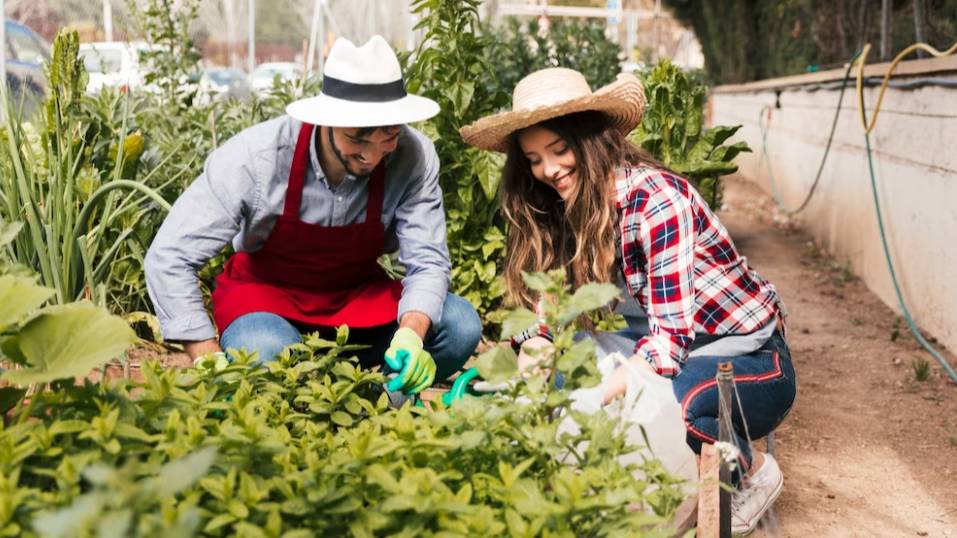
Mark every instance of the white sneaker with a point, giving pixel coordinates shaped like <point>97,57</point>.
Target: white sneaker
<point>755,496</point>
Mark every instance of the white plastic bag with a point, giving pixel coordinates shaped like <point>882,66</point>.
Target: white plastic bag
<point>649,403</point>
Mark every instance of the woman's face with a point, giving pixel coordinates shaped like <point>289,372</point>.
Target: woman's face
<point>551,159</point>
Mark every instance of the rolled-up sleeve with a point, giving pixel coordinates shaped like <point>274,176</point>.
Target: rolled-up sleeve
<point>420,229</point>
<point>202,221</point>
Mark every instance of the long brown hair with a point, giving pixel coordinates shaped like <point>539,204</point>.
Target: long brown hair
<point>546,232</point>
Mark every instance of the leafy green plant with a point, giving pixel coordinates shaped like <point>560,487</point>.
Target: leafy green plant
<point>576,44</point>
<point>451,66</point>
<point>53,342</point>
<point>921,368</point>
<point>672,130</point>
<point>173,62</point>
<point>307,445</point>
<point>66,184</point>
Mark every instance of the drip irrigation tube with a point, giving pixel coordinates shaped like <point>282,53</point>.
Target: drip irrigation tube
<point>860,59</point>
<point>827,149</point>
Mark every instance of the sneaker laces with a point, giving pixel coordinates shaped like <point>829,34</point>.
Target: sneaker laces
<point>740,497</point>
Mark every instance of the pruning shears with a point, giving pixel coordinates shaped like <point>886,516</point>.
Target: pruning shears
<point>460,387</point>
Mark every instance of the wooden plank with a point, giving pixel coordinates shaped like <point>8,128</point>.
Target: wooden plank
<point>708,493</point>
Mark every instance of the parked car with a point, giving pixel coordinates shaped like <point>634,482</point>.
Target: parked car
<point>114,64</point>
<point>223,83</point>
<point>261,79</point>
<point>27,52</point>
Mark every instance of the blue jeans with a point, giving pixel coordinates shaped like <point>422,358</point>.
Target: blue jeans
<point>450,341</point>
<point>766,385</point>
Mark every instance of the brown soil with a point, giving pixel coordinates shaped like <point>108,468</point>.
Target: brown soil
<point>868,450</point>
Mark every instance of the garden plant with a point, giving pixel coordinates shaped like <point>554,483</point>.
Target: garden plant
<point>307,445</point>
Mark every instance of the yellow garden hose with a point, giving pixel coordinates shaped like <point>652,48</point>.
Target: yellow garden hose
<point>862,60</point>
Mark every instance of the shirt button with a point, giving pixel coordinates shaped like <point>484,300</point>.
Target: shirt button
<point>339,199</point>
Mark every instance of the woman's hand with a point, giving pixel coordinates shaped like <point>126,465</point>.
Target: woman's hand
<point>619,379</point>
<point>533,352</point>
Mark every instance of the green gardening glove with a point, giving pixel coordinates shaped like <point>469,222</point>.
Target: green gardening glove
<point>416,366</point>
<point>216,361</point>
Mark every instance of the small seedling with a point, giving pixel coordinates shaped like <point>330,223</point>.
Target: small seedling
<point>895,334</point>
<point>921,368</point>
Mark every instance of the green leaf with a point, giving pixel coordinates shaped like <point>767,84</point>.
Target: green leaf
<point>219,521</point>
<point>497,365</point>
<point>9,232</point>
<point>19,296</point>
<point>720,133</point>
<point>581,352</point>
<point>60,427</point>
<point>238,509</point>
<point>536,281</point>
<point>11,349</point>
<point>68,341</point>
<point>341,418</point>
<point>517,321</point>
<point>180,474</point>
<point>587,298</point>
<point>489,169</point>
<point>9,397</point>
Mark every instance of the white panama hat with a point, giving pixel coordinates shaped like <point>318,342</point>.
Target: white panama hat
<point>362,87</point>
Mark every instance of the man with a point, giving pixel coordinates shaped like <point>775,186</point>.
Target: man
<point>310,201</point>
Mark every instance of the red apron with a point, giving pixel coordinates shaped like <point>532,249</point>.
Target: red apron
<point>311,274</point>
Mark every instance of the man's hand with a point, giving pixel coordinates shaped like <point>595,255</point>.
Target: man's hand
<point>416,366</point>
<point>202,347</point>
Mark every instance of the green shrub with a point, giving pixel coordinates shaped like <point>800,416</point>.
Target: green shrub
<point>453,66</point>
<point>672,130</point>
<point>307,446</point>
<point>74,179</point>
<point>577,44</point>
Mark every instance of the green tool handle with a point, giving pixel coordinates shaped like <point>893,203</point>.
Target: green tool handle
<point>460,386</point>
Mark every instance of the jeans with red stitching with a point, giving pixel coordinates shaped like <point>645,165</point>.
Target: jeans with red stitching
<point>766,386</point>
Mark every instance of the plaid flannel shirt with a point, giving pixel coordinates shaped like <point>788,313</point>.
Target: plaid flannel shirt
<point>681,265</point>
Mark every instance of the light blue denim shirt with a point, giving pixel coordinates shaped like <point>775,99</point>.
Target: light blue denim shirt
<point>241,192</point>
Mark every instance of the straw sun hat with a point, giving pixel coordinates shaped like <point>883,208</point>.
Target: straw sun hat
<point>554,92</point>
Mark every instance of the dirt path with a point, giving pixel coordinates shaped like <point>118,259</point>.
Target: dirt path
<point>868,450</point>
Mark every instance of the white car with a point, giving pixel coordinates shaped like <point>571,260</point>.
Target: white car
<point>115,64</point>
<point>223,83</point>
<point>261,79</point>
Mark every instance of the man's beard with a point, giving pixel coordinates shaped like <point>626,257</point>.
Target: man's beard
<point>343,160</point>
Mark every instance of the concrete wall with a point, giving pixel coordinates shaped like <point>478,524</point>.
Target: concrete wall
<point>915,150</point>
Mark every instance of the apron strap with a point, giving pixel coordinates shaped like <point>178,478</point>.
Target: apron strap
<point>297,172</point>
<point>376,194</point>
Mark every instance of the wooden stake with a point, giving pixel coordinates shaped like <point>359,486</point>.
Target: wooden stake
<point>708,494</point>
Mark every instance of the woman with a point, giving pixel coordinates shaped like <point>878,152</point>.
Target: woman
<point>577,194</point>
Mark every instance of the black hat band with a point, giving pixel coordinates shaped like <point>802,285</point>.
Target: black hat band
<point>340,89</point>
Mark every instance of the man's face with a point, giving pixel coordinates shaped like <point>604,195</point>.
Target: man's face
<point>360,150</point>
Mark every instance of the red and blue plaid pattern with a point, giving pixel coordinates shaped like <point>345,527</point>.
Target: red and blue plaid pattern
<point>681,265</point>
